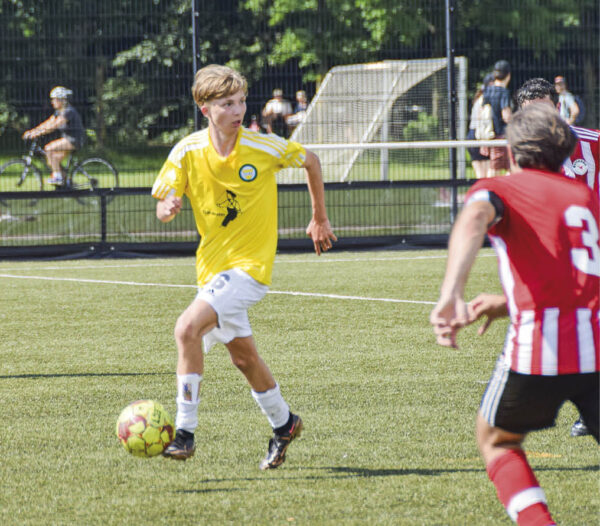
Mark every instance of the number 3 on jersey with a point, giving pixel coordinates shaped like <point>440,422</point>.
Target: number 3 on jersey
<point>584,260</point>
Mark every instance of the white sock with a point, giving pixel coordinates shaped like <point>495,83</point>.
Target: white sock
<point>273,405</point>
<point>188,399</point>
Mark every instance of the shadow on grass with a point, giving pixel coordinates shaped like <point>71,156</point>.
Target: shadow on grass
<point>342,472</point>
<point>73,375</point>
<point>208,490</point>
<point>365,472</point>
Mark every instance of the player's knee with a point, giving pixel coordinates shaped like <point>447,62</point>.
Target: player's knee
<point>244,361</point>
<point>185,331</point>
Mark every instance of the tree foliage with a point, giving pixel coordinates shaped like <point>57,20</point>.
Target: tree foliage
<point>130,61</point>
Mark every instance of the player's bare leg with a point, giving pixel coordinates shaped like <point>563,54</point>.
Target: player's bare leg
<point>286,425</point>
<point>244,356</point>
<point>507,467</point>
<point>194,322</point>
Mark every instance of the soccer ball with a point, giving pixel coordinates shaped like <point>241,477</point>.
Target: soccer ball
<point>145,428</point>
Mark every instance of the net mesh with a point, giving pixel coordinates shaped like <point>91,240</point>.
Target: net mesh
<point>389,101</point>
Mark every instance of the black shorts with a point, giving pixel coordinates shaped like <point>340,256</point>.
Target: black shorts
<point>474,152</point>
<point>520,403</point>
<point>76,142</point>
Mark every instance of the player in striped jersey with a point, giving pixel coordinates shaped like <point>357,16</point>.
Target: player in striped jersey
<point>583,165</point>
<point>228,175</point>
<point>584,162</point>
<point>544,229</point>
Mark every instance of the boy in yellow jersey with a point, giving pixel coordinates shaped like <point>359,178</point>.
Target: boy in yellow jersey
<point>228,174</point>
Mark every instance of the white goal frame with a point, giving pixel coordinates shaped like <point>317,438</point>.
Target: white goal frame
<point>372,89</point>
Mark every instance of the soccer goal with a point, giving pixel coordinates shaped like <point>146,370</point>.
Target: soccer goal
<point>380,102</point>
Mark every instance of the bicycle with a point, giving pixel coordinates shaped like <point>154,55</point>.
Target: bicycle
<point>27,173</point>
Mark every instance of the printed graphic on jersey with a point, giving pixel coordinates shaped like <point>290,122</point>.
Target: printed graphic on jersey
<point>248,173</point>
<point>230,203</point>
<point>580,167</point>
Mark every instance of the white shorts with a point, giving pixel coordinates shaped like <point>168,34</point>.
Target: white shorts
<point>230,293</point>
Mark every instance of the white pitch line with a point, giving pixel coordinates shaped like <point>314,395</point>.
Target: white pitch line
<point>359,298</point>
<point>100,281</point>
<point>289,293</point>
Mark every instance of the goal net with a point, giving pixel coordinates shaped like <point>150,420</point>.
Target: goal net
<point>379,102</point>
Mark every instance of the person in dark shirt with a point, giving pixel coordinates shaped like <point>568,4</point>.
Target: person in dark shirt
<point>65,120</point>
<point>498,96</point>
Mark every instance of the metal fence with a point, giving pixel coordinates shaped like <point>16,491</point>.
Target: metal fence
<point>130,64</point>
<point>123,221</point>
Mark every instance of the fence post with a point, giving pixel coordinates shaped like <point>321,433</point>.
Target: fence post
<point>103,228</point>
<point>195,57</point>
<point>450,8</point>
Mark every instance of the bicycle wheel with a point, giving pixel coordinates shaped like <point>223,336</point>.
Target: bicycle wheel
<point>94,173</point>
<point>16,175</point>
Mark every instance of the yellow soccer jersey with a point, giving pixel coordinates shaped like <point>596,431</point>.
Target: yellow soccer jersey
<point>234,198</point>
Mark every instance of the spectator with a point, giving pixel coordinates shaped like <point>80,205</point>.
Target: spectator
<point>498,96</point>
<point>567,105</point>
<point>479,160</point>
<point>275,113</point>
<point>537,221</point>
<point>300,108</point>
<point>67,121</point>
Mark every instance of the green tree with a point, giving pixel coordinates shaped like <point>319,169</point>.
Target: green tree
<point>320,34</point>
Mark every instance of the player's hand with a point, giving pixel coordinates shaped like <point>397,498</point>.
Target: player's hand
<point>28,135</point>
<point>173,205</point>
<point>492,306</point>
<point>447,318</point>
<point>321,234</point>
<point>168,208</point>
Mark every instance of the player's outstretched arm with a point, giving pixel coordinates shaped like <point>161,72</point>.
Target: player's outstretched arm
<point>319,229</point>
<point>450,314</point>
<point>493,306</point>
<point>167,209</point>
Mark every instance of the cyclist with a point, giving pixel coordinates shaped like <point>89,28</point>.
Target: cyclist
<point>67,121</point>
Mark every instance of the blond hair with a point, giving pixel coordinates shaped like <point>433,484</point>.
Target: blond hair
<point>215,82</point>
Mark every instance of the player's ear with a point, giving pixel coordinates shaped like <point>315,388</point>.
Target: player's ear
<point>204,109</point>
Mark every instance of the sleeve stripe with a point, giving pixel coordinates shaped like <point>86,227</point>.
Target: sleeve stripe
<point>256,140</point>
<point>264,147</point>
<point>196,141</point>
<point>161,191</point>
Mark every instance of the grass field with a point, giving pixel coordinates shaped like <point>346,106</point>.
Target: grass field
<point>388,415</point>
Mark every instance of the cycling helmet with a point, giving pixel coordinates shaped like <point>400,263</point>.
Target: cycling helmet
<point>60,92</point>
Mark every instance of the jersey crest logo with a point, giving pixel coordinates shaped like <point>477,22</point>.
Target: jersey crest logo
<point>580,167</point>
<point>248,173</point>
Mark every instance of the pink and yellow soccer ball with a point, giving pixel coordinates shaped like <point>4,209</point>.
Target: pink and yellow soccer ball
<point>145,428</point>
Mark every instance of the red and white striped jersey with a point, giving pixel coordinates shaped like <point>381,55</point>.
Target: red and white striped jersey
<point>549,265</point>
<point>584,163</point>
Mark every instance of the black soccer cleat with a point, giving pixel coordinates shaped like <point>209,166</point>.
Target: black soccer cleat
<point>579,429</point>
<point>278,445</point>
<point>182,447</point>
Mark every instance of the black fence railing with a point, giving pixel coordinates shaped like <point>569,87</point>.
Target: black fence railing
<point>123,221</point>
